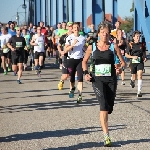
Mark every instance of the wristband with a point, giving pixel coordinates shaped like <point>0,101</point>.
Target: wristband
<point>85,72</point>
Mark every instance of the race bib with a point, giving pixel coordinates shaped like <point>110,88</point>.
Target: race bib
<point>136,61</point>
<point>5,50</point>
<point>103,70</point>
<point>18,44</point>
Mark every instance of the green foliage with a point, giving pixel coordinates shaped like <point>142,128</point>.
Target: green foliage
<point>128,24</point>
<point>132,9</point>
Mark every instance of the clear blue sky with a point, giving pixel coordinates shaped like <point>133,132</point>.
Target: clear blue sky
<point>8,9</point>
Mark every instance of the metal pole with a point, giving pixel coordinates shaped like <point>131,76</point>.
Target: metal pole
<point>18,18</point>
<point>103,6</point>
<point>67,11</point>
<point>25,10</point>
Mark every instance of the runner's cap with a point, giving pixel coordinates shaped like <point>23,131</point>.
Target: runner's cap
<point>69,24</point>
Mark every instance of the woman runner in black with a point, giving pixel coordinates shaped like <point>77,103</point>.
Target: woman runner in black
<point>103,76</point>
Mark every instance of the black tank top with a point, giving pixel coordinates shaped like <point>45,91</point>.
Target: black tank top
<point>104,57</point>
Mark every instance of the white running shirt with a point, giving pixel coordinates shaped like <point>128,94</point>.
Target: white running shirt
<point>77,52</point>
<point>4,38</point>
<point>40,41</point>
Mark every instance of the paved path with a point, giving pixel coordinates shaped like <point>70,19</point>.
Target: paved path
<point>37,116</point>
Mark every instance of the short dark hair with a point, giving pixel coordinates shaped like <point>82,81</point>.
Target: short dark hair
<point>118,21</point>
<point>103,25</point>
<point>136,32</point>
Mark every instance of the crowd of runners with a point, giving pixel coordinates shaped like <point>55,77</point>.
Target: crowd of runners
<point>106,49</point>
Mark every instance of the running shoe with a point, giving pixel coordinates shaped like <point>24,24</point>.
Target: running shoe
<point>139,94</point>
<point>107,142</point>
<point>9,69</point>
<point>79,100</point>
<point>122,83</point>
<point>132,84</point>
<point>60,85</point>
<point>48,58</point>
<point>71,93</point>
<point>5,72</point>
<point>18,81</point>
<point>15,73</point>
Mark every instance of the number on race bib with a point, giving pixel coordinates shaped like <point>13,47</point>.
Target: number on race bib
<point>103,70</point>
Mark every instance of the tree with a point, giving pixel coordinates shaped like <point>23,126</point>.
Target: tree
<point>132,9</point>
<point>128,24</point>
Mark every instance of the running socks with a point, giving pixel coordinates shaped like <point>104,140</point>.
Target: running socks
<point>139,85</point>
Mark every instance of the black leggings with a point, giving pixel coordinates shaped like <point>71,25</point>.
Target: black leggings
<point>74,65</point>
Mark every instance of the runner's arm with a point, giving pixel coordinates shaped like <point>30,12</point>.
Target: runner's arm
<point>86,57</point>
<point>33,41</point>
<point>127,52</point>
<point>118,52</point>
<point>9,44</point>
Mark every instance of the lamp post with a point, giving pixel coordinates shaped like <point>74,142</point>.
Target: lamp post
<point>24,6</point>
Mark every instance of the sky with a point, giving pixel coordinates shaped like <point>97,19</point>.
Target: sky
<point>8,9</point>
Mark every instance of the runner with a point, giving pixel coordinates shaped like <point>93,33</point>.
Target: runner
<point>44,33</point>
<point>75,45</point>
<point>17,44</point>
<point>55,40</point>
<point>59,34</point>
<point>60,47</point>
<point>50,43</point>
<point>38,43</point>
<point>12,30</point>
<point>103,76</point>
<point>137,53</point>
<point>114,33</point>
<point>5,51</point>
<point>27,48</point>
<point>122,44</point>
<point>32,47</point>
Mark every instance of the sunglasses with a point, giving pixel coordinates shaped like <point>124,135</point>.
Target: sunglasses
<point>34,28</point>
<point>18,30</point>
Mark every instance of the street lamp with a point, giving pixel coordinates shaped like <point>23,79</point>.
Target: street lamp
<point>24,6</point>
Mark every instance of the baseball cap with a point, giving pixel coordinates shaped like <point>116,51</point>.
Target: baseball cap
<point>69,23</point>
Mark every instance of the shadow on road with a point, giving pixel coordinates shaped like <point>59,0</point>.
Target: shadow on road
<point>96,145</point>
<point>56,133</point>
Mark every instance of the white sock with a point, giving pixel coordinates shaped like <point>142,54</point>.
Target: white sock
<point>139,85</point>
<point>131,78</point>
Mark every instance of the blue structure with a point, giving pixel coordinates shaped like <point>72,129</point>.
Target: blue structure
<point>54,11</point>
<point>86,12</point>
<point>142,18</point>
